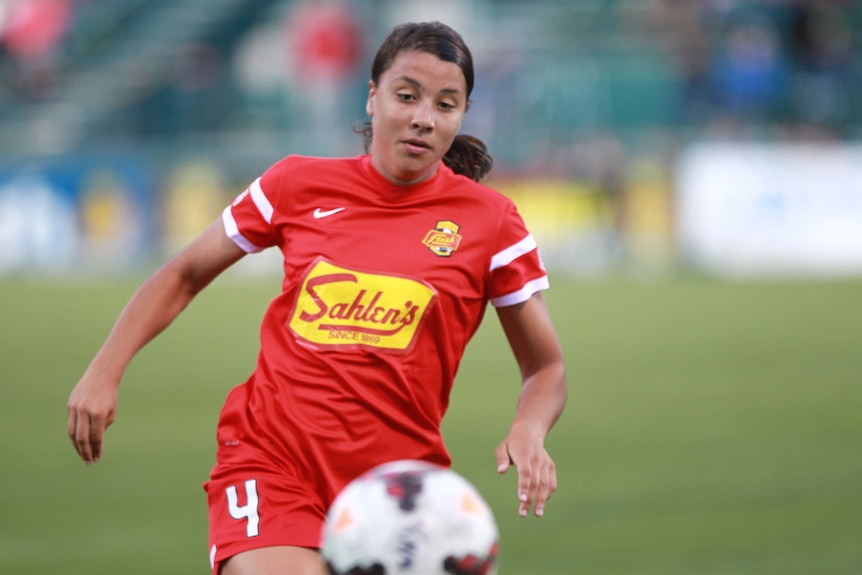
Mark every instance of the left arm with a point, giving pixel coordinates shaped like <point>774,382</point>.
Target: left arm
<point>543,395</point>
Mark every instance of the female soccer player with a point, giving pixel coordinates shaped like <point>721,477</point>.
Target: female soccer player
<point>390,259</point>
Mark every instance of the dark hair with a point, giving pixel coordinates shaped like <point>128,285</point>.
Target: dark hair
<point>468,155</point>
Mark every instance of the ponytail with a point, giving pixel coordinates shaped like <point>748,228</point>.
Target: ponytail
<point>467,156</point>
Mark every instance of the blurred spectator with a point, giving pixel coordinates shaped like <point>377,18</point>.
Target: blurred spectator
<point>30,31</point>
<point>324,42</point>
<point>324,39</point>
<point>750,74</point>
<point>821,49</point>
<point>680,27</point>
<point>787,66</point>
<point>199,94</point>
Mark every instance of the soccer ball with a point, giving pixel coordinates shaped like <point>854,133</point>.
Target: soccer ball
<point>410,518</point>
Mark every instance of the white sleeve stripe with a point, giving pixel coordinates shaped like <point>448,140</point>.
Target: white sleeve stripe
<point>513,252</point>
<point>232,231</point>
<point>522,294</point>
<point>261,201</point>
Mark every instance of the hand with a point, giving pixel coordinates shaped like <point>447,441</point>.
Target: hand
<point>537,473</point>
<point>92,406</point>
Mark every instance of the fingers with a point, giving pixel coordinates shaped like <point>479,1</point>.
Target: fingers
<point>97,432</point>
<point>537,481</point>
<point>86,432</point>
<point>81,437</point>
<point>72,426</point>
<point>503,459</point>
<point>91,407</point>
<point>546,486</point>
<point>526,489</point>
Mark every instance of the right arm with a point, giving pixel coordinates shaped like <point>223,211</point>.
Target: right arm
<point>92,404</point>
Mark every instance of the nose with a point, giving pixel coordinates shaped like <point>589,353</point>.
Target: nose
<point>423,117</point>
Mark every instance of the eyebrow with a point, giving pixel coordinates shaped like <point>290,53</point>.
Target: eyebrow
<point>418,86</point>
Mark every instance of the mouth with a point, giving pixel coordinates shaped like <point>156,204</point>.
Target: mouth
<point>416,146</point>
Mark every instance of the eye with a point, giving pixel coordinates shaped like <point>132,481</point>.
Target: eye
<point>406,96</point>
<point>447,105</point>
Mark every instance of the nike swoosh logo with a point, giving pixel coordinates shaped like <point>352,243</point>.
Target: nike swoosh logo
<point>318,213</point>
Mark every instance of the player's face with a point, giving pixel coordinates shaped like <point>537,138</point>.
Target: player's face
<point>416,110</point>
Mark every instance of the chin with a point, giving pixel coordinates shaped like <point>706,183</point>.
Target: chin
<point>413,172</point>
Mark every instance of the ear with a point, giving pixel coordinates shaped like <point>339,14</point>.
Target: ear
<point>369,104</point>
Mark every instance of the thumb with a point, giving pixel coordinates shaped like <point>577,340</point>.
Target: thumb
<point>503,459</point>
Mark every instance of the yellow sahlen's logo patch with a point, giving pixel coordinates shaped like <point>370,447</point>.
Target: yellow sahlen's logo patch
<point>343,307</point>
<point>444,239</point>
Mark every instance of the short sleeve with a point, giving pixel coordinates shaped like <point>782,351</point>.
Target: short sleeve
<point>516,270</point>
<point>248,219</point>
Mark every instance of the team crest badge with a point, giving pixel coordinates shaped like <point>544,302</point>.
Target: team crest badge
<point>444,239</point>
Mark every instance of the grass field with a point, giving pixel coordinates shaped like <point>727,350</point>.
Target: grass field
<point>712,429</point>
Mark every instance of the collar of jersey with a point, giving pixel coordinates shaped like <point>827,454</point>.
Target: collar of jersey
<point>396,191</point>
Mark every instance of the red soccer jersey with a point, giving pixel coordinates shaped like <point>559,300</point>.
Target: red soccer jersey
<point>383,287</point>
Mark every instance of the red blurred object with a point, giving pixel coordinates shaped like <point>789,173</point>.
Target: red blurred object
<point>34,27</point>
<point>324,40</point>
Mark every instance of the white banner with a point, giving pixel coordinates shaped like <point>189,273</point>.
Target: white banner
<point>755,210</point>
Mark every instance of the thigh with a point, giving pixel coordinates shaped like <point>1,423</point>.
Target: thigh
<point>254,509</point>
<point>282,560</point>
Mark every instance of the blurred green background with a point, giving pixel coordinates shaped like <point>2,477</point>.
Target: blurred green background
<point>713,428</point>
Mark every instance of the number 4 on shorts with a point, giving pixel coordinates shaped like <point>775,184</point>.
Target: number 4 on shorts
<point>247,511</point>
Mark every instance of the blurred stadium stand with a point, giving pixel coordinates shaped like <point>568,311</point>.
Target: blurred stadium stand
<point>593,103</point>
<point>113,58</point>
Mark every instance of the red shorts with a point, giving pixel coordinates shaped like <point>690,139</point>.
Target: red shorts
<point>253,505</point>
<point>274,479</point>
